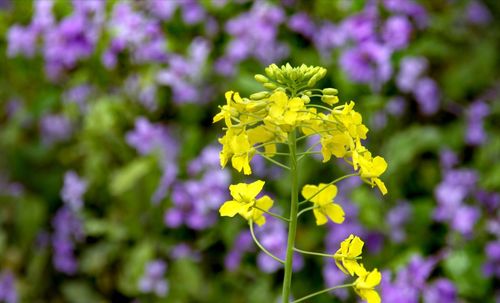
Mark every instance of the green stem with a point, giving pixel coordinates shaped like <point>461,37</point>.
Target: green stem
<point>294,206</point>
<point>272,160</point>
<point>306,210</point>
<point>312,253</point>
<point>323,291</point>
<point>260,245</point>
<point>333,182</point>
<point>272,214</point>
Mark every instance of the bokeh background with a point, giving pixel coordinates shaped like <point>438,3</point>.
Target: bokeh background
<point>110,181</point>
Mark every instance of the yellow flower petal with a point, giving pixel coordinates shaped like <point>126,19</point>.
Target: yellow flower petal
<point>230,208</point>
<point>334,212</point>
<point>320,217</point>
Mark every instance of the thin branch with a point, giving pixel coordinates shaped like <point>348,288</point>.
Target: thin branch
<point>272,214</point>
<point>260,245</point>
<point>333,182</point>
<point>322,291</point>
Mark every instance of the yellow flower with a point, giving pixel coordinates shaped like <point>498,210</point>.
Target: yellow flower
<point>283,111</point>
<point>231,109</point>
<point>370,168</point>
<point>322,196</point>
<point>243,153</point>
<point>365,284</point>
<point>244,202</point>
<point>346,257</point>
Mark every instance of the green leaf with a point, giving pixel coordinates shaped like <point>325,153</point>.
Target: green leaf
<point>127,177</point>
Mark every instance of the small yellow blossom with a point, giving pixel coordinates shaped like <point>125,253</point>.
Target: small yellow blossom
<point>365,284</point>
<point>244,202</point>
<point>370,168</point>
<point>348,253</point>
<point>322,196</point>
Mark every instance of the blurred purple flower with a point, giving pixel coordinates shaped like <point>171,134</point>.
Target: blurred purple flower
<point>475,134</point>
<point>396,106</point>
<point>73,190</point>
<point>153,280</point>
<point>448,159</point>
<point>396,32</point>
<point>361,27</point>
<point>254,34</point>
<point>55,128</point>
<point>409,8</point>
<point>196,201</point>
<point>477,13</point>
<point>327,37</point>
<point>492,265</point>
<point>303,24</point>
<point>465,218</point>
<point>428,95</point>
<point>185,75</point>
<point>21,40</point>
<point>273,236</point>
<point>148,138</point>
<point>334,276</point>
<point>368,63</point>
<point>440,291</point>
<point>396,218</point>
<point>242,244</point>
<point>183,251</point>
<point>162,9</point>
<point>79,95</point>
<point>8,292</point>
<point>68,229</point>
<point>411,69</point>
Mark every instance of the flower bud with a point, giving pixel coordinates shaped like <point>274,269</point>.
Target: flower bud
<point>270,85</point>
<point>305,98</point>
<point>261,78</point>
<point>330,91</point>
<point>259,95</point>
<point>330,99</point>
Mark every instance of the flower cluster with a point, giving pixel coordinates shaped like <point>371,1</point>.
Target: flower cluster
<point>347,257</point>
<point>258,125</point>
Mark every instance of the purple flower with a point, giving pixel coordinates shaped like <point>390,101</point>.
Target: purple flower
<point>192,12</point>
<point>67,230</point>
<point>303,24</point>
<point>78,95</point>
<point>447,159</point>
<point>334,276</point>
<point>428,96</point>
<point>152,280</point>
<point>409,8</point>
<point>242,244</point>
<point>21,40</point>
<point>396,218</point>
<point>254,34</point>
<point>477,13</point>
<point>197,200</point>
<point>367,63</point>
<point>273,236</point>
<point>73,190</point>
<point>183,251</point>
<point>149,138</point>
<point>360,27</point>
<point>476,113</point>
<point>396,106</point>
<point>492,265</point>
<point>162,9</point>
<point>411,69</point>
<point>43,19</point>
<point>440,291</point>
<point>396,32</point>
<point>329,36</point>
<point>185,75</point>
<point>55,128</point>
<point>465,219</point>
<point>8,292</point>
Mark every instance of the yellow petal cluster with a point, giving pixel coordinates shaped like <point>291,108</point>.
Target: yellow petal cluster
<point>257,125</point>
<point>365,284</point>
<point>347,258</point>
<point>348,254</point>
<point>245,203</point>
<point>322,196</point>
